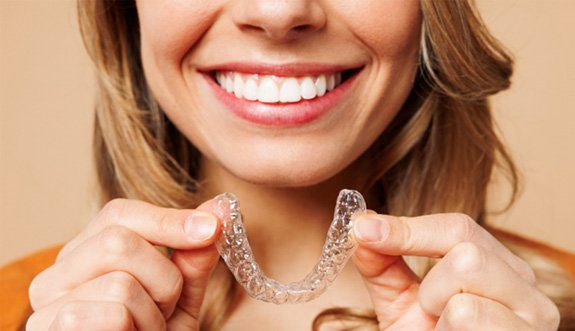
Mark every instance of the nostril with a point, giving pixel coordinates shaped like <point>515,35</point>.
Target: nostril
<point>278,31</point>
<point>302,28</point>
<point>252,28</point>
<point>279,19</point>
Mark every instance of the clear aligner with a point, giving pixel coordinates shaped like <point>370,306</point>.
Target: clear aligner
<point>234,248</point>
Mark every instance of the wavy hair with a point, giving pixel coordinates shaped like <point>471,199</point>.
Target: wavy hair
<point>437,155</point>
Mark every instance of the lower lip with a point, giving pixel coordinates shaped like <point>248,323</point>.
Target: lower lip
<point>281,114</point>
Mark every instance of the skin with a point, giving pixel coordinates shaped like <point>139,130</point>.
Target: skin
<point>108,276</point>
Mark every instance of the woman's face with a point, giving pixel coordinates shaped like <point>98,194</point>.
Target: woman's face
<point>281,93</point>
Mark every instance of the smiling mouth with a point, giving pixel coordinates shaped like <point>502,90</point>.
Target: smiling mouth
<point>280,89</point>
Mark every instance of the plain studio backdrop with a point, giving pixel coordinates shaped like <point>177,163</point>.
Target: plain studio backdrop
<point>47,186</point>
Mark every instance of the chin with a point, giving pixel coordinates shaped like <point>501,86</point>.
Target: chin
<point>272,174</point>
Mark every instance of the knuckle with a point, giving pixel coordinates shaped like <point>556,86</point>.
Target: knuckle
<point>120,286</point>
<point>463,227</point>
<point>465,258</point>
<point>408,240</point>
<point>75,316</point>
<point>35,291</point>
<point>121,320</point>
<point>117,241</point>
<point>112,210</point>
<point>33,323</point>
<point>69,317</point>
<point>63,252</point>
<point>461,310</point>
<point>165,223</point>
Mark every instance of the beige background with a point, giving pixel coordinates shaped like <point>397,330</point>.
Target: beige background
<point>46,97</point>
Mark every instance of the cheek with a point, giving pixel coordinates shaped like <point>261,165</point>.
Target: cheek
<point>169,29</point>
<point>390,28</point>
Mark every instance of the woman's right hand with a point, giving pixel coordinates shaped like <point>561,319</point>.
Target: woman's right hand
<point>111,277</point>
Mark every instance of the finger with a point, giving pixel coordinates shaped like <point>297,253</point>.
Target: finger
<point>469,312</point>
<point>173,228</point>
<point>393,287</point>
<point>432,236</point>
<point>383,270</point>
<point>469,268</point>
<point>115,248</point>
<point>119,287</point>
<point>91,316</point>
<point>196,267</point>
<point>385,275</point>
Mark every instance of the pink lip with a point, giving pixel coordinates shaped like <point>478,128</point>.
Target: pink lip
<point>287,69</point>
<point>280,114</point>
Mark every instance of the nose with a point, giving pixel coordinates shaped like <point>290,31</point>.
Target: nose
<point>279,19</point>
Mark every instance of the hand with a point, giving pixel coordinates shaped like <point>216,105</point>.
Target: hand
<point>478,284</point>
<point>111,277</point>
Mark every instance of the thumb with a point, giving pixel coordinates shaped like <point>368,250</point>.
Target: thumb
<point>196,266</point>
<point>392,285</point>
<point>379,267</point>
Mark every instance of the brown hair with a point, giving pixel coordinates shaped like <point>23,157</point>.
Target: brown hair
<point>436,156</point>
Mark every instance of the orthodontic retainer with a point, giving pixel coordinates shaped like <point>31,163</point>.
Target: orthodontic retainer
<point>339,246</point>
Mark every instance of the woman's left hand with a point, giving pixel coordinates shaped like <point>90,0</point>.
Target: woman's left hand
<point>478,284</point>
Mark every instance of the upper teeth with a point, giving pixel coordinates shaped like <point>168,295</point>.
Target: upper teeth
<point>273,89</point>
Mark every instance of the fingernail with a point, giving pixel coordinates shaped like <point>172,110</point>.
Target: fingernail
<point>201,226</point>
<point>370,228</point>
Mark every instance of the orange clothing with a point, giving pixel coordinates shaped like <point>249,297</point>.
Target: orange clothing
<point>15,277</point>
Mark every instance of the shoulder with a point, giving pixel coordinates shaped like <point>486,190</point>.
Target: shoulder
<point>523,246</point>
<point>15,278</point>
<point>554,269</point>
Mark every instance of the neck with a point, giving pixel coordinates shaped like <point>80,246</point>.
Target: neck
<point>286,227</point>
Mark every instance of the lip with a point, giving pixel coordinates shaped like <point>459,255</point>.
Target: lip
<point>280,114</point>
<point>285,69</point>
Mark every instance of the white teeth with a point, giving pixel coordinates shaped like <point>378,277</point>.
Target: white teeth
<point>330,84</point>
<point>238,86</point>
<point>251,90</point>
<point>290,91</point>
<point>268,91</point>
<point>321,85</point>
<point>229,84</point>
<point>307,89</point>
<point>220,78</point>
<point>273,89</point>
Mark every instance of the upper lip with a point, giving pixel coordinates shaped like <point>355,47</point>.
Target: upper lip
<point>285,69</point>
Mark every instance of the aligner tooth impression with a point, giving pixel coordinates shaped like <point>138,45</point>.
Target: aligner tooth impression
<point>235,250</point>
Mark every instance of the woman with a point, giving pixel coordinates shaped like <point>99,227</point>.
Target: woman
<point>284,104</point>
